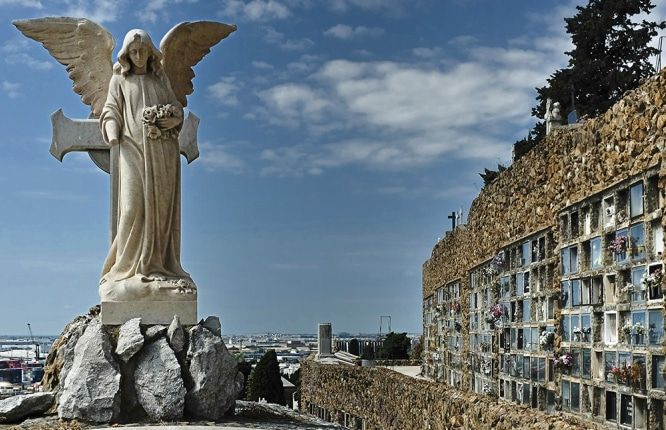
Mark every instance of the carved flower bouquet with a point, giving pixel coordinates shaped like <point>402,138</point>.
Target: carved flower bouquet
<point>150,116</point>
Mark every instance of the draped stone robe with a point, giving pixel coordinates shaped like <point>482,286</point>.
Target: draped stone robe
<point>144,259</point>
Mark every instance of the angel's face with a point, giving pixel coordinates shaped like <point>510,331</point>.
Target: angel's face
<point>138,54</point>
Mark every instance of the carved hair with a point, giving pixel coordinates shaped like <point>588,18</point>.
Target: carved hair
<point>124,65</point>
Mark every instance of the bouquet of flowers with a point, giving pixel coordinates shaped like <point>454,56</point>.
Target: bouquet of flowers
<point>496,311</point>
<point>615,371</point>
<point>618,245</point>
<point>639,328</point>
<point>546,339</point>
<point>626,328</point>
<point>653,279</point>
<point>564,361</point>
<point>150,116</point>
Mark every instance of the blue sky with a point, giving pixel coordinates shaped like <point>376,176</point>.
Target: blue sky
<point>335,137</point>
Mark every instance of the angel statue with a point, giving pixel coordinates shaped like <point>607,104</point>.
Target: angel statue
<point>139,102</point>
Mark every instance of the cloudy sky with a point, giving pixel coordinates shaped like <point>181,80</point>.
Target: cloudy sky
<point>336,135</point>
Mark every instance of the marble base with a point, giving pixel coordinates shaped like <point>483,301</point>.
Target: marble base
<point>117,313</point>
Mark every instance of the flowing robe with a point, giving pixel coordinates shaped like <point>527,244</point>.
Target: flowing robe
<point>146,249</point>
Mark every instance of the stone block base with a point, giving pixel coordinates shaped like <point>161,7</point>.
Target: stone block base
<point>117,313</point>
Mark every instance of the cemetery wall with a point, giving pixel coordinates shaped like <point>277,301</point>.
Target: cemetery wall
<point>550,295</point>
<point>379,398</point>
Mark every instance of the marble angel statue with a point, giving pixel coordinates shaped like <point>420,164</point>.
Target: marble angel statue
<point>139,101</point>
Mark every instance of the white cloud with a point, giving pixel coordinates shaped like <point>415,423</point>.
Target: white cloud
<point>262,65</point>
<point>295,103</point>
<point>255,10</point>
<point>394,7</point>
<point>11,89</point>
<point>218,157</point>
<point>36,4</point>
<point>14,53</point>
<point>224,91</point>
<point>278,39</point>
<point>100,11</point>
<point>405,114</point>
<point>345,32</point>
<point>156,10</point>
<point>427,53</point>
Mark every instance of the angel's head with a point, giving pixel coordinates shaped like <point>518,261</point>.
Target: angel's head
<point>138,51</point>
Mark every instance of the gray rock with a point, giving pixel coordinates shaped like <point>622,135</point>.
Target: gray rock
<point>15,409</point>
<point>158,382</point>
<point>176,335</point>
<point>212,323</point>
<point>216,380</point>
<point>130,339</point>
<point>155,331</point>
<point>91,389</point>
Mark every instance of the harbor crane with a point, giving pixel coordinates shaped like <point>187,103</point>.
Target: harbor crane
<point>32,338</point>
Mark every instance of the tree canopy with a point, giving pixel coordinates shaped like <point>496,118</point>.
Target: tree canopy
<point>265,381</point>
<point>396,347</point>
<point>611,56</point>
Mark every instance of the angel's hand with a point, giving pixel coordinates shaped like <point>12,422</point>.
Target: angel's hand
<point>169,122</point>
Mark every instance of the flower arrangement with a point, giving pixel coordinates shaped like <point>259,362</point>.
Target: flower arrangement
<point>615,371</point>
<point>495,265</point>
<point>653,279</point>
<point>626,328</point>
<point>639,328</point>
<point>546,339</point>
<point>496,311</point>
<point>618,245</point>
<point>455,307</point>
<point>150,116</point>
<point>563,361</point>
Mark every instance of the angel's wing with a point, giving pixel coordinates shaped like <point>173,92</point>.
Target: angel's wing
<point>83,46</point>
<point>184,46</point>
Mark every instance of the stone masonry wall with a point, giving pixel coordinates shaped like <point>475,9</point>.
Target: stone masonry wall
<point>565,167</point>
<point>387,400</point>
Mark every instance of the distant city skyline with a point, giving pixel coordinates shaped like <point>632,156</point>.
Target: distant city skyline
<point>336,137</point>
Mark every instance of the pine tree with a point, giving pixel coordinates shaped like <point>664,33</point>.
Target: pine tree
<point>611,56</point>
<point>265,381</point>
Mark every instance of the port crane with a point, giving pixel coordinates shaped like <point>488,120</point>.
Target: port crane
<point>32,338</point>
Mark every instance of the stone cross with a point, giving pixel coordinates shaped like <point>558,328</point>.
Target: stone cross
<point>453,218</point>
<point>84,135</point>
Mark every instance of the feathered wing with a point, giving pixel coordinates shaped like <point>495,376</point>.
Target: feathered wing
<point>184,46</point>
<point>81,45</point>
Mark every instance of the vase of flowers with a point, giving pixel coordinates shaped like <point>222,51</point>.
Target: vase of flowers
<point>618,246</point>
<point>639,332</point>
<point>563,361</point>
<point>626,329</point>
<point>652,282</point>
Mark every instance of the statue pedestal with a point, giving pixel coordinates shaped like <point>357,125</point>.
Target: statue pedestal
<point>117,313</point>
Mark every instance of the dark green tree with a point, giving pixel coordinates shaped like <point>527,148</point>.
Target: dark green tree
<point>368,352</point>
<point>490,175</point>
<point>395,347</point>
<point>611,56</point>
<point>245,368</point>
<point>265,381</point>
<point>354,348</point>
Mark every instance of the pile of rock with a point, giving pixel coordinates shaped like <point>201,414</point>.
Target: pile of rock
<point>103,374</point>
